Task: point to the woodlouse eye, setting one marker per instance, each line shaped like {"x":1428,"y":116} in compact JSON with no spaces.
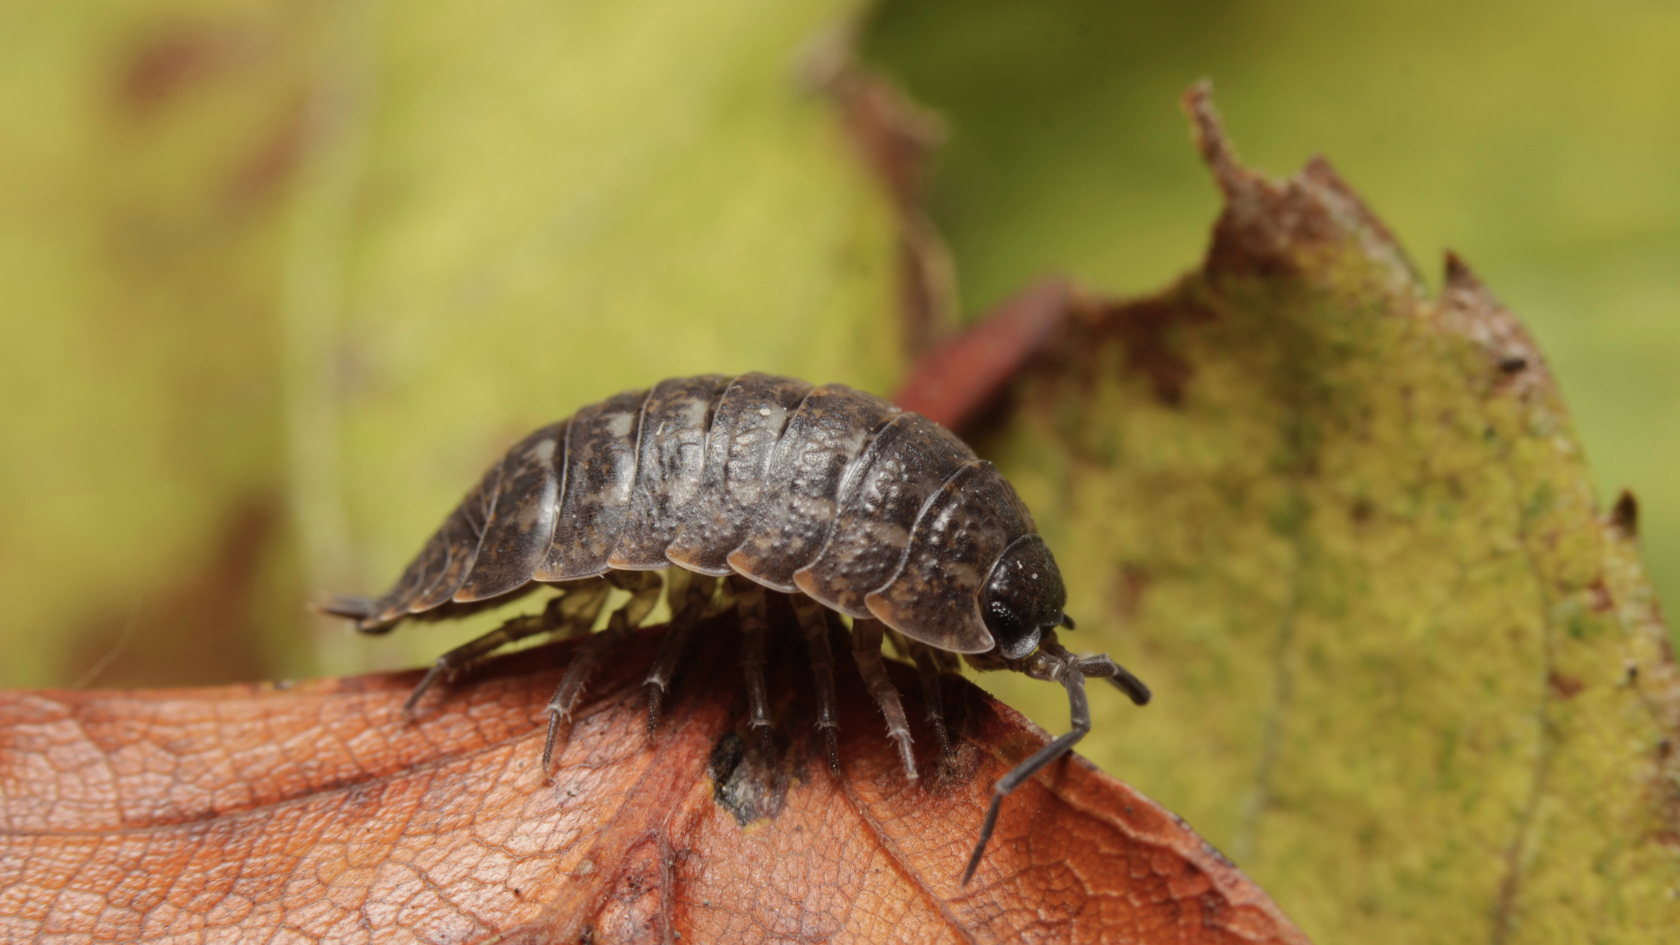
{"x":1023,"y":597}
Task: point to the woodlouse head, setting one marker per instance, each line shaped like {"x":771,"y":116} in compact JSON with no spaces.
{"x":1023,"y":597}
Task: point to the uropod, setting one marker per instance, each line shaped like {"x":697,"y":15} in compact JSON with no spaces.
{"x":827,"y":494}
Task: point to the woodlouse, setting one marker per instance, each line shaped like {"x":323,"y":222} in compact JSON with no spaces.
{"x":827,"y":494}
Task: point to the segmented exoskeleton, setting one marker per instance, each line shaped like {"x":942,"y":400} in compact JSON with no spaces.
{"x":826,"y":493}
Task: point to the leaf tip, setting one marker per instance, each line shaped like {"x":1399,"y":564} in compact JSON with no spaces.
{"x":1209,"y":132}
{"x":1624,"y":515}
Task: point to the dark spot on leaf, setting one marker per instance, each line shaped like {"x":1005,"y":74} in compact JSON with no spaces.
{"x":272,"y":161}
{"x":171,"y":61}
{"x":743,"y":785}
{"x":726,"y":757}
{"x":1624,"y":515}
{"x":1564,"y":687}
{"x":1512,"y":363}
{"x":1148,"y":329}
{"x":956,"y":767}
{"x":1130,"y":583}
{"x":1362,"y":510}
{"x":1602,"y":602}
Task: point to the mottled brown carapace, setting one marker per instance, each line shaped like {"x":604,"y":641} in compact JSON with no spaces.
{"x":827,"y":494}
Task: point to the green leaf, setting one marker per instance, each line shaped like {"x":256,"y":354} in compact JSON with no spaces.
{"x":1408,"y":675}
{"x":281,"y":281}
{"x":527,"y":210}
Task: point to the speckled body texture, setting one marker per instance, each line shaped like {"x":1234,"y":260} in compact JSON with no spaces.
{"x":871,"y":510}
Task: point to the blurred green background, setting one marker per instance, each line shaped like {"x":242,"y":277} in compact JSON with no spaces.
{"x":279,"y":279}
{"x":1540,"y":140}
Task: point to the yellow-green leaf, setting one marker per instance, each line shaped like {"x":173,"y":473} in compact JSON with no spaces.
{"x":1408,"y":675}
{"x":280,"y":281}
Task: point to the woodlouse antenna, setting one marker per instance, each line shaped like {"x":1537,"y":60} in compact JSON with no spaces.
{"x":348,"y":607}
{"x":463,"y":657}
{"x":1054,"y":663}
{"x":1133,"y":687}
{"x":1068,"y":673}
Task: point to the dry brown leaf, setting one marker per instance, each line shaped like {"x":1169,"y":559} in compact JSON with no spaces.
{"x":317,"y":813}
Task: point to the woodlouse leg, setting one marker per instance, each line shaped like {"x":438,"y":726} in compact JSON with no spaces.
{"x":814,"y":622}
{"x":644,"y":587}
{"x":749,"y":602}
{"x":583,"y":663}
{"x":580,"y":607}
{"x":1064,"y":669}
{"x":900,"y":643}
{"x":866,"y":649}
{"x":451,"y":663}
{"x":696,"y":593}
{"x":948,"y":661}
{"x":582,"y":599}
{"x":932,"y":665}
{"x":933,"y":680}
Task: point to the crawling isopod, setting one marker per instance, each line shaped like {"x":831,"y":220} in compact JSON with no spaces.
{"x":827,"y":494}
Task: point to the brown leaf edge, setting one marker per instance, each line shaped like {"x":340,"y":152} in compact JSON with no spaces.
{"x":316,"y":812}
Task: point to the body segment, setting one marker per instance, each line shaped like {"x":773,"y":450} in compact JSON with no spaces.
{"x":595,"y":502}
{"x":879,"y":505}
{"x":819,"y":446}
{"x":670,"y":460}
{"x":825,"y":490}
{"x":747,"y":423}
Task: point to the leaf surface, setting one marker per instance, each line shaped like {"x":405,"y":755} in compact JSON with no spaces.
{"x":1409,"y":674}
{"x":317,"y":813}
